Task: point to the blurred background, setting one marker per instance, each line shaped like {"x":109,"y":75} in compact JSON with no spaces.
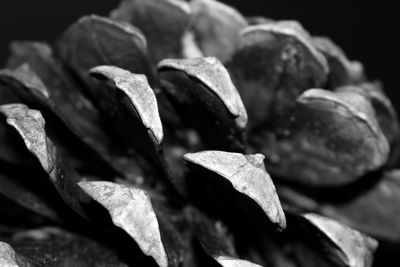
{"x":364,"y":29}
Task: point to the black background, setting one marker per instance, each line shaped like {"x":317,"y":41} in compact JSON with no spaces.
{"x":366,"y":31}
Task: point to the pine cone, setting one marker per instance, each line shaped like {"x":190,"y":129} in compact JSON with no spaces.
{"x":144,"y":139}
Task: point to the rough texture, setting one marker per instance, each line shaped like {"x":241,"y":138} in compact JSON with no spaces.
{"x":141,"y":134}
{"x":247,"y":175}
{"x":7,"y":256}
{"x":212,"y":73}
{"x":136,"y":88}
{"x":131,"y":210}
{"x":355,"y":249}
{"x":30,"y":125}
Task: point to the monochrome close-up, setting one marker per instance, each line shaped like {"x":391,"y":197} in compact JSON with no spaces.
{"x":178,"y":133}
